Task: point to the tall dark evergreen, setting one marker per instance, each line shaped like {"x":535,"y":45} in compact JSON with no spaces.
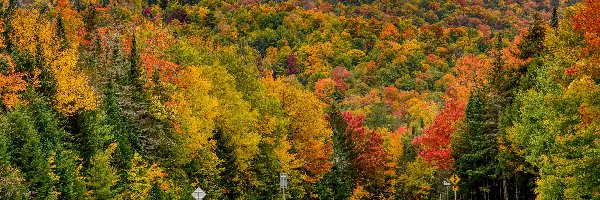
{"x":121,"y":129}
{"x":7,"y":15}
{"x":498,"y":62}
{"x":61,"y":33}
{"x":225,"y":152}
{"x":475,"y":149}
{"x":554,"y":19}
{"x":135,"y":74}
{"x":18,"y":126}
{"x":532,"y":43}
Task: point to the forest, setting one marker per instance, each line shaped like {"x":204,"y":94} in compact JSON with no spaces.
{"x":353,"y":99}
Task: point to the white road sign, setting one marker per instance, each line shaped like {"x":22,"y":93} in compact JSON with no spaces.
{"x":198,"y":194}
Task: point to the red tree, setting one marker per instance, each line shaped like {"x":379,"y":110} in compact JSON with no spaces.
{"x":435,"y":142}
{"x":588,"y":20}
{"x":368,"y":146}
{"x":472,"y":72}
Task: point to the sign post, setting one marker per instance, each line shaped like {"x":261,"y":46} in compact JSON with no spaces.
{"x":447,"y":184}
{"x":454,"y":179}
{"x":198,"y":194}
{"x":283,"y":183}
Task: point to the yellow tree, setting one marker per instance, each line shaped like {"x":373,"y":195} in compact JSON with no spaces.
{"x":141,"y":178}
{"x":235,"y":131}
{"x":309,"y":130}
{"x":394,"y":149}
{"x":73,"y":92}
{"x":235,"y":116}
{"x":72,"y":21}
{"x":195,"y":110}
{"x":23,"y":33}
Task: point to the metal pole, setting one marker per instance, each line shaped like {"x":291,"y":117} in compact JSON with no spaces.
{"x":283,"y":193}
{"x":454,"y":195}
{"x":447,"y":192}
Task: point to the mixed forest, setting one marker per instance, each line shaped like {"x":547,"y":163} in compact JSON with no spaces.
{"x":353,"y":99}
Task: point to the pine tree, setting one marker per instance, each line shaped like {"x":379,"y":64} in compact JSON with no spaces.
{"x":476,"y":149}
{"x":12,"y":182}
{"x":225,"y":152}
{"x":90,"y":20}
{"x":135,"y":74}
{"x":61,"y":34}
{"x":554,"y":20}
{"x":340,"y":178}
{"x":533,"y":41}
{"x":122,"y":132}
{"x":70,"y":184}
{"x":498,"y":62}
{"x":7,"y":18}
{"x":95,"y":133}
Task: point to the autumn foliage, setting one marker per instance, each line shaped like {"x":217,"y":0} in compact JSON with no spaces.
{"x":383,"y":99}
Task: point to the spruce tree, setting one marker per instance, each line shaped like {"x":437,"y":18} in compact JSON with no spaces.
{"x":61,"y":34}
{"x":7,"y":18}
{"x":135,"y":74}
{"x":554,"y":20}
{"x":533,"y":41}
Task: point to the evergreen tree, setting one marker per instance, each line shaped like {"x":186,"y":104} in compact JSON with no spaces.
{"x":475,"y":149}
{"x":533,"y":41}
{"x":7,"y":15}
{"x":90,"y":21}
{"x":94,"y":133}
{"x":61,"y":34}
{"x":163,"y":4}
{"x":12,"y":182}
{"x":225,"y":152}
{"x":554,"y":19}
{"x":135,"y":74}
{"x":124,"y":152}
{"x":70,"y":184}
{"x":26,"y":151}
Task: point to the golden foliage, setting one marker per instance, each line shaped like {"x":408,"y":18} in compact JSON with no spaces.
{"x":24,"y":30}
{"x":196,"y":110}
{"x":141,"y":177}
{"x":359,"y":193}
{"x":73,"y":92}
{"x":310,"y":131}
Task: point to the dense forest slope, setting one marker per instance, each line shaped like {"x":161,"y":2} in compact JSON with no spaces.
{"x":357,"y":99}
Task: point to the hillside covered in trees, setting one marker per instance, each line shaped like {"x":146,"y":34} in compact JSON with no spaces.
{"x":353,"y":99}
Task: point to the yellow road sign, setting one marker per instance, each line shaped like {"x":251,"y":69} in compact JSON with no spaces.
{"x":455,"y":188}
{"x":454,"y":179}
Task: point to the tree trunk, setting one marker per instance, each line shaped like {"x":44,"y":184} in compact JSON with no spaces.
{"x":505,"y":188}
{"x":516,"y":188}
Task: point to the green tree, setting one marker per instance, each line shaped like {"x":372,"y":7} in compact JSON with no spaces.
{"x":101,"y":175}
{"x":475,"y":149}
{"x":26,"y":151}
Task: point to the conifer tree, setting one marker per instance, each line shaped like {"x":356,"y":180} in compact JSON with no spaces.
{"x":554,"y":19}
{"x":135,"y":74}
{"x":61,"y":34}
{"x":533,"y":41}
{"x":7,"y":15}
